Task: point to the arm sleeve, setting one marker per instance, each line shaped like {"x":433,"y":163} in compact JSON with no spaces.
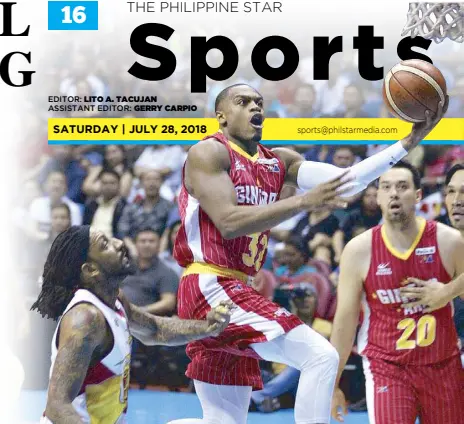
{"x":311,"y":174}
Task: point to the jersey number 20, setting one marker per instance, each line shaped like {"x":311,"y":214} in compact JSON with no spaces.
{"x":426,"y":331}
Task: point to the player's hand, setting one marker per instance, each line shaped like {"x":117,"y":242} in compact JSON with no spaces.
{"x":218,"y":318}
{"x":327,"y":195}
{"x":432,"y":295}
{"x":421,"y":130}
{"x":339,"y":408}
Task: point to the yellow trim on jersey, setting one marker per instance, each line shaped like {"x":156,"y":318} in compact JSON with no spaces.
{"x":242,"y":152}
{"x":103,"y":401}
{"x":404,"y":255}
{"x":203,"y":268}
{"x":323,"y":327}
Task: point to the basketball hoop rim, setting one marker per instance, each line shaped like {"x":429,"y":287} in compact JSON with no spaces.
{"x":435,"y":21}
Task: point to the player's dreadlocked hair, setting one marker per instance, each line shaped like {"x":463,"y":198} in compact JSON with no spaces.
{"x":61,"y":276}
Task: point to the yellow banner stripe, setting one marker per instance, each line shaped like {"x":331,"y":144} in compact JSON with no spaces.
{"x":280,"y":129}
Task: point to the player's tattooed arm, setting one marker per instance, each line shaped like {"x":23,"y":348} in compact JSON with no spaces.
{"x":174,"y":331}
{"x":82,"y":331}
{"x":153,"y":330}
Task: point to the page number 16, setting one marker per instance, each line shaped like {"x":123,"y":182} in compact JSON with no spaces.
{"x":78,"y":15}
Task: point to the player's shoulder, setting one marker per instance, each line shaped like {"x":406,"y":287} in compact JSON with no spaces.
{"x":286,"y":155}
{"x":86,"y":319}
{"x":208,"y":150}
{"x":450,"y":244}
{"x":359,"y":246}
{"x":356,"y":257}
{"x":448,"y":236}
{"x":446,"y":229}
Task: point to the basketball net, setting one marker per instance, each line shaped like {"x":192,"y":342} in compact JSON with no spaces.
{"x":436,"y":21}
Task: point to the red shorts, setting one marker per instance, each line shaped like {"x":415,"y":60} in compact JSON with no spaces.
{"x":400,"y":393}
{"x":228,"y":359}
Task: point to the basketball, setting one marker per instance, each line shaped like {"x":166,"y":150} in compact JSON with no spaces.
{"x":411,"y":88}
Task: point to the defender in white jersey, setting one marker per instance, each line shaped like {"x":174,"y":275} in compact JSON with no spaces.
{"x":103,"y":394}
{"x":89,"y":376}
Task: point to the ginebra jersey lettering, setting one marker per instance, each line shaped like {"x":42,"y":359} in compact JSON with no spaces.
{"x":393,"y":297}
{"x":252,"y":195}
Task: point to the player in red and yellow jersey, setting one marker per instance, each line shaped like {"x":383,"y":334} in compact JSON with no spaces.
{"x":228,"y":203}
{"x":410,"y":354}
{"x":436,"y":294}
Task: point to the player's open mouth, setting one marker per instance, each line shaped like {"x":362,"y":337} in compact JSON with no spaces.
{"x":395,"y":206}
{"x":257,"y":120}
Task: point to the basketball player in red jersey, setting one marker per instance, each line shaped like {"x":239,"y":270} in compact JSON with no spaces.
{"x":411,"y":356}
{"x":435,"y":294}
{"x":228,"y":203}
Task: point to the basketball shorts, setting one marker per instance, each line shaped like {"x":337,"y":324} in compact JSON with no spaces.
{"x":228,"y":358}
{"x":400,"y":393}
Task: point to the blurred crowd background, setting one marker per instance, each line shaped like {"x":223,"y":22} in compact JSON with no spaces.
{"x":130,"y":192}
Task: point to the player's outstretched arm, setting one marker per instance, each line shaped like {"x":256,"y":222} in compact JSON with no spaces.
{"x":346,"y":319}
{"x":307,"y":174}
{"x":153,"y":330}
{"x":208,"y":181}
{"x":82,"y":331}
{"x":434,"y":295}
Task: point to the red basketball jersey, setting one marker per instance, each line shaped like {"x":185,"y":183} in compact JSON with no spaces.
{"x":258,"y":180}
{"x":405,"y":336}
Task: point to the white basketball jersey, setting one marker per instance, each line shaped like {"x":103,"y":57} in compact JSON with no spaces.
{"x":103,"y":395}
